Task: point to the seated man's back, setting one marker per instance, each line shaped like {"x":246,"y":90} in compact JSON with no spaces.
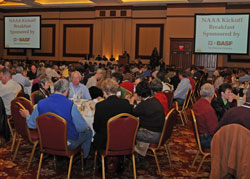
{"x":206,"y":117}
{"x":78,"y":132}
{"x":8,"y":89}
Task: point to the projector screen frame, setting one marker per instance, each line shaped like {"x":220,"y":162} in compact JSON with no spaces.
{"x":40,"y":37}
{"x":221,"y":53}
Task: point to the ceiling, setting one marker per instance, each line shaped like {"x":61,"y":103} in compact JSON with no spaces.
{"x":12,"y":4}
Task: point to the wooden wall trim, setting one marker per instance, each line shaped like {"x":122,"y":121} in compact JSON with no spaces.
{"x":142,"y":8}
{"x":129,"y":7}
{"x":124,"y":7}
{"x":112,"y":7}
{"x":53,"y":26}
{"x":47,"y":10}
{"x":238,"y":6}
{"x":195,"y":5}
{"x":65,"y":26}
{"x":10,"y":53}
{"x":181,"y":16}
{"x":138,"y":26}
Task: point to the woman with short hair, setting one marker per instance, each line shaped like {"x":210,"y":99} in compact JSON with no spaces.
{"x":109,"y":107}
{"x":43,"y":88}
{"x":156,"y":87}
{"x":106,"y":109}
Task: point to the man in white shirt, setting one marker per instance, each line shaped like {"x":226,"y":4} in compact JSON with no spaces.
{"x":52,"y":73}
{"x":181,"y":90}
{"x":18,"y":77}
{"x":8,"y":89}
{"x":93,"y":80}
{"x":76,"y":89}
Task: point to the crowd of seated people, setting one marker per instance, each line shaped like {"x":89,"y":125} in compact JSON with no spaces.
{"x":136,"y":89}
{"x":218,"y":102}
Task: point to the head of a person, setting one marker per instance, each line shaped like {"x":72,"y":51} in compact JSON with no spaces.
{"x":207,"y":91}
{"x":7,"y":64}
{"x":156,"y":85}
{"x":12,"y":69}
{"x":6,"y":75}
{"x":99,"y":74}
{"x":225,"y":90}
{"x":128,"y":77}
{"x":139,"y":79}
{"x":223,"y":74}
{"x":182,"y":75}
{"x":62,"y":87}
{"x":33,"y":68}
{"x":109,"y":87}
{"x":117,"y":77}
{"x":19,"y":69}
{"x":76,"y":77}
{"x":161,"y":76}
{"x":143,"y":90}
{"x":44,"y":81}
{"x":55,"y":67}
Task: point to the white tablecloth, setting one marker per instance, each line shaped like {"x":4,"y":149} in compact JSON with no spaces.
{"x":89,"y":120}
{"x":87,"y":107}
{"x":240,"y":101}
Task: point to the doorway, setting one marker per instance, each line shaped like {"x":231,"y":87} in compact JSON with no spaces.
{"x":181,"y":50}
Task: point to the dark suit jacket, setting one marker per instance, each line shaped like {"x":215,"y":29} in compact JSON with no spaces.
{"x":104,"y":111}
{"x":219,"y":106}
{"x":175,"y":81}
{"x":151,"y":114}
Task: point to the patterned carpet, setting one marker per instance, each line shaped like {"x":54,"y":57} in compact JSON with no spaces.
{"x":182,"y":145}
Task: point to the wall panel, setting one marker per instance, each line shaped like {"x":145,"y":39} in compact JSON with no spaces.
{"x":149,"y":36}
{"x":118,"y":37}
{"x":77,"y":40}
{"x":48,"y":41}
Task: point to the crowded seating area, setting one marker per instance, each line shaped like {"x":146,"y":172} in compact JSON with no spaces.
{"x":96,"y":119}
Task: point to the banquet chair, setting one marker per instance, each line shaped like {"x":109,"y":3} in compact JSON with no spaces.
{"x":182,"y":109}
{"x":198,"y":87}
{"x":27,"y":105}
{"x":167,"y":129}
{"x":32,"y":96}
{"x":170,"y":97}
{"x":193,"y":99}
{"x":20,"y":93}
{"x":204,"y":152}
{"x":217,"y":93}
{"x":121,"y":134}
{"x":21,"y":129}
{"x":52,"y":130}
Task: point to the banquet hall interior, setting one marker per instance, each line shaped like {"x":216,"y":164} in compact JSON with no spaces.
{"x":123,"y":36}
